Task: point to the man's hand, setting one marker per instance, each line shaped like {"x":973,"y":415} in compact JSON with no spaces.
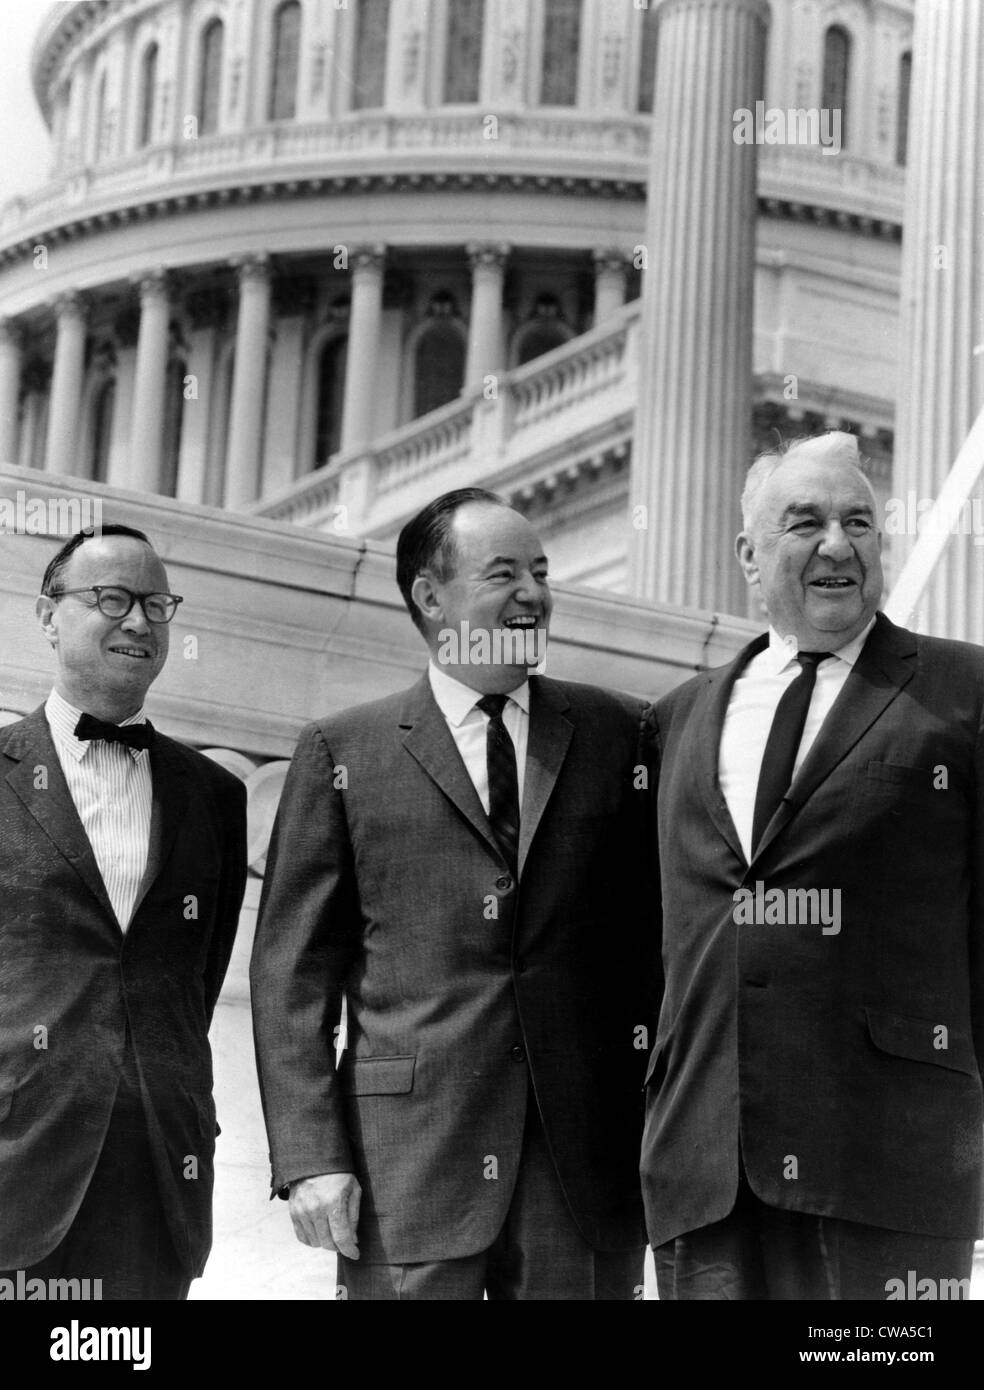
{"x":325,"y":1212}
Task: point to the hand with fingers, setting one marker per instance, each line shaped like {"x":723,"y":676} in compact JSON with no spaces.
{"x":325,"y":1212}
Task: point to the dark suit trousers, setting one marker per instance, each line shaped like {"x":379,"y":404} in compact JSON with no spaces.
{"x":120,"y":1234}
{"x":763,"y":1252}
{"x":539,"y":1254}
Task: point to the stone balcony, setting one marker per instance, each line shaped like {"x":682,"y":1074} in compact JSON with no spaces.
{"x":568,"y":410}
{"x":561,"y":418}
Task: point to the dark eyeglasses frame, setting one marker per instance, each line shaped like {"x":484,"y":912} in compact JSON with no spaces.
{"x":100,"y":589}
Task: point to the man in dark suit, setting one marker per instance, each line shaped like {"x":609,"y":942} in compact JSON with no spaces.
{"x":123,"y":868}
{"x":464,"y":863}
{"x":814,"y":1094}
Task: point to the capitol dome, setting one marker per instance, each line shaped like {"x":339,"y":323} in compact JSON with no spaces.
{"x":322,"y":260}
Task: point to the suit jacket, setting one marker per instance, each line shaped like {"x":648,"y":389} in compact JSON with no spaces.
{"x":849,"y":1063}
{"x":66,"y":966}
{"x":384,"y":883}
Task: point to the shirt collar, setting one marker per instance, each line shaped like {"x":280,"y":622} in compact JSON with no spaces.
{"x":62,"y":719}
{"x":782,"y":650}
{"x":456,"y":700}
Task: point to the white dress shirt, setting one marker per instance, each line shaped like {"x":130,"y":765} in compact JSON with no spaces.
{"x":751,"y":709}
{"x":468,"y":726}
{"x":111,"y":787}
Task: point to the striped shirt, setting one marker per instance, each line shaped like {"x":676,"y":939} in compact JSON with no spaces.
{"x":110,"y":785}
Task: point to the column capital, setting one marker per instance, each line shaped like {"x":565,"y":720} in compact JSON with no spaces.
{"x":490,"y":255}
{"x":153,"y":284}
{"x":367,"y":257}
{"x":71,"y":304}
{"x":253,"y":269}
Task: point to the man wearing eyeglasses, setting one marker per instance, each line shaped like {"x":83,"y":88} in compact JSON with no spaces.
{"x":123,"y":863}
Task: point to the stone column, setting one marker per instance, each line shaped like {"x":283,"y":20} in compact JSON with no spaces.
{"x":11,"y":350}
{"x":611,"y":268}
{"x":243,"y":455}
{"x":150,"y":384}
{"x":485,"y":345}
{"x":693,"y":418}
{"x":941,"y":380}
{"x":126,"y":330}
{"x":66,"y":385}
{"x":366,"y":263}
{"x":293,"y":300}
{"x":206,"y":310}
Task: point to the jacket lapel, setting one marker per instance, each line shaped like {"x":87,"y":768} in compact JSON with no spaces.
{"x":52,"y":807}
{"x":429,"y":740}
{"x":549,"y":738}
{"x":709,"y":725}
{"x":886,"y":664}
{"x":170,"y":803}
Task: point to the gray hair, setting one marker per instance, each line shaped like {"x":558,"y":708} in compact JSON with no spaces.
{"x":833,"y":447}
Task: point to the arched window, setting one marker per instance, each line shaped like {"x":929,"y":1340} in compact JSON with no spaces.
{"x":210,"y":77}
{"x":286,"y":54}
{"x":438,"y":360}
{"x":372,"y":31}
{"x":173,"y":415}
{"x":463,"y":56}
{"x":148,"y":95}
{"x":836,"y":74}
{"x":545,"y":330}
{"x":102,"y":430}
{"x":902,"y":126}
{"x":561,"y":52}
{"x":647,"y":59}
{"x":331,"y":392}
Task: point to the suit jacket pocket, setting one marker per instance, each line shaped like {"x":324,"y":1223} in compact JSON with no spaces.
{"x":377,"y":1076}
{"x":913,"y":779}
{"x":920,"y":1039}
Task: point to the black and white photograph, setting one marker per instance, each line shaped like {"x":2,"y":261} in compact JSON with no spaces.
{"x":492,"y":660}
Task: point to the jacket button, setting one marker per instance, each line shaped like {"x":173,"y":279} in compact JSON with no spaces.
{"x":504,"y":883}
{"x":517,"y":1053}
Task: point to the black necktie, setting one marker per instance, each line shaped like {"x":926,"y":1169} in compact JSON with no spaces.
{"x":503,"y":781}
{"x":133,"y":735}
{"x":779,"y":757}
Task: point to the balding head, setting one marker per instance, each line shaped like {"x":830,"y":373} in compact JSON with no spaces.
{"x":836,"y":449}
{"x":811,"y":542}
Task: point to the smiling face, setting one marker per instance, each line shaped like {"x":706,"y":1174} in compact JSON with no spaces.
{"x":499,"y":580}
{"x":812,"y":546}
{"x":106,"y":665}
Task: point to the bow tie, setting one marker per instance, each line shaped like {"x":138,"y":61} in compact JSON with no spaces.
{"x":133,"y":735}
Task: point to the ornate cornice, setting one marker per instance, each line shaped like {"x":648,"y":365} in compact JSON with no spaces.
{"x":795,"y":210}
{"x":621,"y":189}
